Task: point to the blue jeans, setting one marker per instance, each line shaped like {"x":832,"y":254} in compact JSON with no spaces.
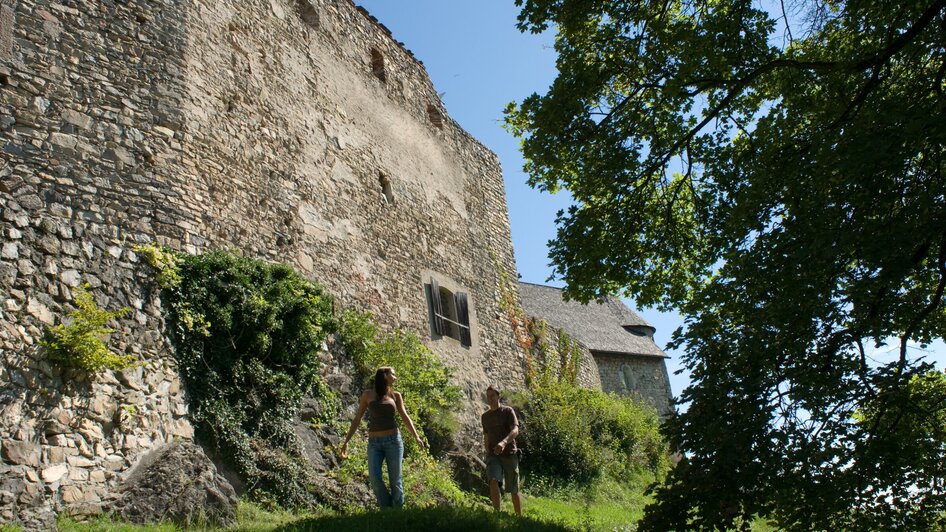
{"x":391,"y":450}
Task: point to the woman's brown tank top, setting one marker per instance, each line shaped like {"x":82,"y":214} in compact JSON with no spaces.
{"x":381,"y":416}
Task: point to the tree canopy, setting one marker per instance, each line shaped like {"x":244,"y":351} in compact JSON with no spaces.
{"x":775,"y":171}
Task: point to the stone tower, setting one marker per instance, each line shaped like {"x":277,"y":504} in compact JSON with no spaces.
{"x":296,"y":131}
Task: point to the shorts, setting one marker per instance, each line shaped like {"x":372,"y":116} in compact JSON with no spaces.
{"x":504,"y":467}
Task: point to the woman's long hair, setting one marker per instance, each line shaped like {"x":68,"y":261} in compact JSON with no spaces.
{"x":381,"y":386}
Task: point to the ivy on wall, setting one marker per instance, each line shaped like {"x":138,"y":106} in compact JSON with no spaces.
{"x":246,"y":337}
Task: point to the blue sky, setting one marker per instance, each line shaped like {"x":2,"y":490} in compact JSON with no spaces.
{"x":479,"y":62}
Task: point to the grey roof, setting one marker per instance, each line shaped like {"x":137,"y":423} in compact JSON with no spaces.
{"x":599,"y":325}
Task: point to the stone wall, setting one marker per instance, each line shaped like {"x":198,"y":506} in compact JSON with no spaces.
{"x":545,"y":350}
{"x":638,"y":376}
{"x":291,"y":130}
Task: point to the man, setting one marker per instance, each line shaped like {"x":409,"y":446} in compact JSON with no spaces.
{"x":500,"y":428}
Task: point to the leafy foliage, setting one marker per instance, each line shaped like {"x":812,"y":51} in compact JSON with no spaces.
{"x":165,"y":262}
{"x":548,"y":362}
{"x":246,"y":336}
{"x":778,"y":177}
{"x":423,"y":379}
{"x":81,"y":343}
{"x":577,"y":435}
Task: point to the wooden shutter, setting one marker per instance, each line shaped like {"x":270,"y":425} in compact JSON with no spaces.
{"x":437,"y":306}
{"x":463,"y":316}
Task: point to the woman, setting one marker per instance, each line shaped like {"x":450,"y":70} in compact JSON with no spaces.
{"x":384,"y":440}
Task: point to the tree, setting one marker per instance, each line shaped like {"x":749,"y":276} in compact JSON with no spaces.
{"x":778,"y":176}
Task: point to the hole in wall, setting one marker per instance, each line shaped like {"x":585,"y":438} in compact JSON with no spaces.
{"x":435,"y":116}
{"x":377,"y":65}
{"x":4,"y":80}
{"x":308,"y":13}
{"x":387,"y":191}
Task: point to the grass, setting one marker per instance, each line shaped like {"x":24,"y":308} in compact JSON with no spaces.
{"x":250,"y":518}
{"x":606,"y":505}
{"x":442,"y":518}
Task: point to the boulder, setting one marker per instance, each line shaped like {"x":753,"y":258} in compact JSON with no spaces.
{"x":179,"y":483}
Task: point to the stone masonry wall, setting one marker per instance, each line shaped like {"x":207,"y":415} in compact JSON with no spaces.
{"x":262,"y":126}
{"x":643,"y":377}
{"x":546,"y":340}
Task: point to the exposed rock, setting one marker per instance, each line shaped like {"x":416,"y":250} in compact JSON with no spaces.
{"x":54,"y":473}
{"x":177,"y":482}
{"x":469,"y":471}
{"x":20,"y":452}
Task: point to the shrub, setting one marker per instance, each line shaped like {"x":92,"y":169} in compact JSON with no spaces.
{"x":423,"y":379}
{"x":430,"y":400}
{"x":576,"y":434}
{"x":246,"y":335}
{"x":81,"y":343}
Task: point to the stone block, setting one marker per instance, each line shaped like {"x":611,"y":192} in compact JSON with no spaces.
{"x":55,"y":455}
{"x":54,"y":473}
{"x":71,"y":278}
{"x":79,"y":461}
{"x":71,"y":495}
{"x":7,"y":16}
{"x":77,"y":119}
{"x":10,"y":251}
{"x":20,"y":452}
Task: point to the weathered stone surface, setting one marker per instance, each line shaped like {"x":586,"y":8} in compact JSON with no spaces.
{"x":6,"y":31}
{"x":216,"y":124}
{"x":20,"y":452}
{"x":177,"y":482}
{"x":54,"y":473}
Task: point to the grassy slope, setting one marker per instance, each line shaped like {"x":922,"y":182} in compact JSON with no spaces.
{"x":606,"y":505}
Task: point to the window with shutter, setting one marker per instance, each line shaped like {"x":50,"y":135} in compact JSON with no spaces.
{"x":450,"y":314}
{"x":437,"y":306}
{"x":463,"y":319}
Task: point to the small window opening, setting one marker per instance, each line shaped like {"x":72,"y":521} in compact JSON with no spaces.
{"x":308,"y":13}
{"x":451,"y":314}
{"x":638,"y":331}
{"x":387,"y":192}
{"x":4,"y":80}
{"x":434,"y":115}
{"x":377,"y":65}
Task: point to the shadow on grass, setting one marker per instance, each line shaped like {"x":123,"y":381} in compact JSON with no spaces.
{"x":443,"y":518}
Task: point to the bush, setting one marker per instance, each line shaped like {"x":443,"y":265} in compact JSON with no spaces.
{"x":429,"y":398}
{"x":246,"y":335}
{"x":80,"y":344}
{"x":576,"y":435}
{"x":423,"y":379}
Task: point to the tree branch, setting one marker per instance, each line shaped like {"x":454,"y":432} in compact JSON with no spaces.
{"x":872,"y":61}
{"x":929,"y":309}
